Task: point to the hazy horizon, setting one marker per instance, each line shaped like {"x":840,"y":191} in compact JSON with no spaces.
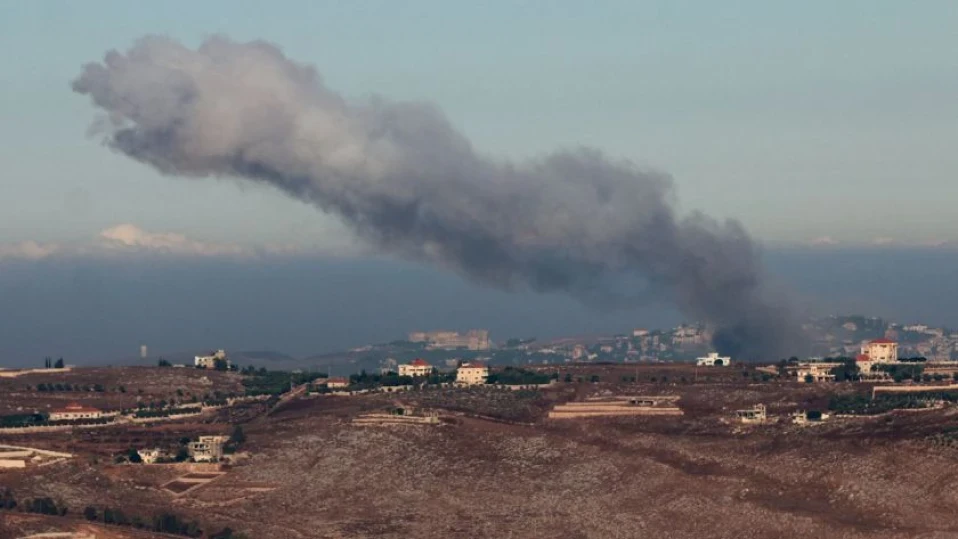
{"x":100,"y":310}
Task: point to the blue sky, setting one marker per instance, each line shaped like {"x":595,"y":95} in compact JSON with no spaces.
{"x":803,"y":120}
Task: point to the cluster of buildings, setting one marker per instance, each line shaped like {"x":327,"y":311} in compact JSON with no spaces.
{"x":203,"y":449}
{"x":680,"y":343}
{"x":872,"y":356}
{"x":473,"y":373}
{"x":474,"y":339}
{"x":841,"y":336}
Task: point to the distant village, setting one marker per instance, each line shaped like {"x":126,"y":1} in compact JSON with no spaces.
{"x":827,"y":337}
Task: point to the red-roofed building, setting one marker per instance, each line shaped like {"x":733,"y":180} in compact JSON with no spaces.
{"x":472,"y":373}
{"x":418,"y":367}
{"x":75,"y":411}
{"x":862,"y":358}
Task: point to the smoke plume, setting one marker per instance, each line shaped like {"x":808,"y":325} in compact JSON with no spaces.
{"x":576,"y":221}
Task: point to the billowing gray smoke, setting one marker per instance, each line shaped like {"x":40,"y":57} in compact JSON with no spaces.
{"x":576,"y":221}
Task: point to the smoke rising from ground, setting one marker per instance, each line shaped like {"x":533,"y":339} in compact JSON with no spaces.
{"x":405,"y":180}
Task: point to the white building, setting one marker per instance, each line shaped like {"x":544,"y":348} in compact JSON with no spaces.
{"x":881,"y":351}
{"x":150,"y":456}
{"x":333,"y":383}
{"x":472,"y":374}
{"x":209,"y":362}
{"x":74,"y":411}
{"x":418,"y":367}
{"x":714,"y":360}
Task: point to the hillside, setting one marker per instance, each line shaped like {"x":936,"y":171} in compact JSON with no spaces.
{"x":494,"y":466}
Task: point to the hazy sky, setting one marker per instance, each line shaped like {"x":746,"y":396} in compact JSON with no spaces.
{"x":802,"y":119}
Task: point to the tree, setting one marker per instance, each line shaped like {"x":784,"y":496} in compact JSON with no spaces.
{"x":47,"y":362}
{"x":7,"y":501}
{"x":90,"y":513}
{"x":163,"y":363}
{"x":58,"y":364}
{"x":568,"y":378}
{"x":238,"y":437}
{"x":809,"y":378}
{"x":133,"y":456}
{"x":848,"y":370}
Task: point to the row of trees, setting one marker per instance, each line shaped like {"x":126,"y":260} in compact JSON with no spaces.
{"x":264,"y":382}
{"x":162,"y":523}
{"x":860,"y":404}
{"x":43,"y":506}
{"x":48,"y":363}
{"x":514,"y":376}
{"x":75,"y":387}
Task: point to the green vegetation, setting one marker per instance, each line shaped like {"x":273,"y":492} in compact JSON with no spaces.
{"x":48,"y":363}
{"x":45,"y":506}
{"x":860,"y":404}
{"x":7,"y":501}
{"x":263,"y":382}
{"x":163,"y":363}
{"x":900,"y":373}
{"x":364,"y":380}
{"x":165,"y":412}
{"x":23,"y":420}
{"x":847,"y":371}
{"x":514,"y":376}
{"x":161,"y":523}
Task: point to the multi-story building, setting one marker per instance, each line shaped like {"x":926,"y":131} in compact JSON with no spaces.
{"x":474,"y":339}
{"x":881,"y":350}
{"x":878,"y":351}
{"x":75,"y":411}
{"x":207,"y":448}
{"x":472,"y":374}
{"x":418,"y":367}
{"x":209,"y":362}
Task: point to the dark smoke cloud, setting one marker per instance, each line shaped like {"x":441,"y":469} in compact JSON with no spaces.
{"x":403,"y":178}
